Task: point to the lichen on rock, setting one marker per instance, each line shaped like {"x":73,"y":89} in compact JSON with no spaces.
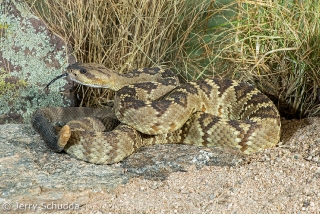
{"x":30,"y":57}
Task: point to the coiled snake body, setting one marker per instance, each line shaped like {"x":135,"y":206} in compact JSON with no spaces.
{"x":154,"y":109}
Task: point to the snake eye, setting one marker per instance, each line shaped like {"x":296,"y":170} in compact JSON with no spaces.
{"x":83,"y":71}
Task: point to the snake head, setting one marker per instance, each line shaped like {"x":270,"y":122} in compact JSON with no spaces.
{"x":92,"y":74}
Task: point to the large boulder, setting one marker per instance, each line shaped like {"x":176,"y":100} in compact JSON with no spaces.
{"x":30,"y":57}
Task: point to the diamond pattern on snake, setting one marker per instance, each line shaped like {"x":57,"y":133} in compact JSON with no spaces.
{"x":152,"y":107}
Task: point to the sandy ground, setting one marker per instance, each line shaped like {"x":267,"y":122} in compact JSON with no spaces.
{"x":281,"y":185}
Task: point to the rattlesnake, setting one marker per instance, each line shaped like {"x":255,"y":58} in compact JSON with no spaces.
{"x":153,"y":108}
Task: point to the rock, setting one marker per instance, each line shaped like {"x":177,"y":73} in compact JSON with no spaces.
{"x":30,"y":57}
{"x":31,"y":173}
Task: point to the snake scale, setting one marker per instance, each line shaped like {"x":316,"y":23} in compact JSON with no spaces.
{"x":151,"y":107}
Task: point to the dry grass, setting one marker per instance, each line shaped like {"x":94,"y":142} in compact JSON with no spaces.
{"x":275,"y":44}
{"x":122,"y":35}
{"x":271,"y":43}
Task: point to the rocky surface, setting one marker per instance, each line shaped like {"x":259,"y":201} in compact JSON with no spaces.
{"x":29,"y":171}
{"x":30,"y":57}
{"x":163,"y":178}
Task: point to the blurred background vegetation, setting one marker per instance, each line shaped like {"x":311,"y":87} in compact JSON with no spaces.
{"x":273,"y":44}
